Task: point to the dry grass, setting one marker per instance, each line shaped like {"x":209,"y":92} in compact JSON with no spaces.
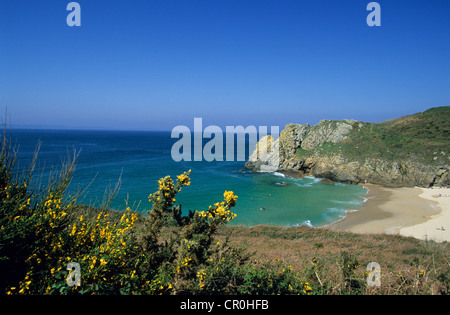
{"x":408,"y":266}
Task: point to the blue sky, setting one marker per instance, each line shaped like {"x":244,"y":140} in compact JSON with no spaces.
{"x":152,"y":65}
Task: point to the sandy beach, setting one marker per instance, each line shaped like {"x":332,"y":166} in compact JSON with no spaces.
{"x":418,"y":212}
{"x":437,"y":227}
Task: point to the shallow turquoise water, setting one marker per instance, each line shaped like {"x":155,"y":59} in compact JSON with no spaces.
{"x":144,"y":157}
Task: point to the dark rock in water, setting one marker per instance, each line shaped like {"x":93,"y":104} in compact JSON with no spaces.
{"x":327,"y":181}
{"x":281,"y":184}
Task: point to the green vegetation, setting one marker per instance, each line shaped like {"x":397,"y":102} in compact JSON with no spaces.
{"x":166,"y":251}
{"x":432,"y":124}
{"x":421,"y":136}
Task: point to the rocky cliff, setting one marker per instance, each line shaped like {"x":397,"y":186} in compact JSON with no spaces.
{"x":408,"y":151}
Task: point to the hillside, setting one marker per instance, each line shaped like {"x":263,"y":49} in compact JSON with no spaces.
{"x":407,"y":151}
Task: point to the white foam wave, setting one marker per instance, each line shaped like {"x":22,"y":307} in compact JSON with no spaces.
{"x":349,"y":202}
{"x":315,"y":179}
{"x":306,"y":222}
{"x":303,"y":184}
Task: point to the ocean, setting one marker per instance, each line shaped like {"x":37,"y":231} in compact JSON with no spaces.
{"x":140,"y":158}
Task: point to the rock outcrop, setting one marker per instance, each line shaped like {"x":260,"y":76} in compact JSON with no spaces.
{"x":352,"y":152}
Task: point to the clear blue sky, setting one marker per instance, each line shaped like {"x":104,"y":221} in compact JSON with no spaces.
{"x":155,"y":64}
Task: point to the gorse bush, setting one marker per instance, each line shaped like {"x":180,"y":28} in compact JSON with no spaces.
{"x":188,"y":247}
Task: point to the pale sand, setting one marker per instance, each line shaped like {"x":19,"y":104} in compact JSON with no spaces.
{"x":436,"y":228}
{"x":406,"y":211}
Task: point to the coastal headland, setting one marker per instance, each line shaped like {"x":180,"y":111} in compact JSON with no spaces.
{"x":404,"y":162}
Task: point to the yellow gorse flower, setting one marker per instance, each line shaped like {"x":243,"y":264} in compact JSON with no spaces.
{"x":184,"y":179}
{"x":221,"y":210}
{"x":230,"y":198}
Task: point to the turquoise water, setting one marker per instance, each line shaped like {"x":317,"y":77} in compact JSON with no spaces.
{"x":144,"y":157}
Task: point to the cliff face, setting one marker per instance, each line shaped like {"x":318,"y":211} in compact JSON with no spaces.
{"x":408,"y":151}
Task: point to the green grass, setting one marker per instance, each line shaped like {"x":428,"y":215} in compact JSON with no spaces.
{"x":420,"y":137}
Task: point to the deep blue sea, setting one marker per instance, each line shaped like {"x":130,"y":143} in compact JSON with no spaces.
{"x":142,"y":157}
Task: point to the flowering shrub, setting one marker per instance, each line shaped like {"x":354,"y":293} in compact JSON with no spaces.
{"x":189,"y":247}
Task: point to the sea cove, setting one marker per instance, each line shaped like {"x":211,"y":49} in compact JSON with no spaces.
{"x":141,"y":158}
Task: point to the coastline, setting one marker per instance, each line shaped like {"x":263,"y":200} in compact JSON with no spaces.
{"x":416,"y":212}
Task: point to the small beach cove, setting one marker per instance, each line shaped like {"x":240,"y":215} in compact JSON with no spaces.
{"x":422,"y":213}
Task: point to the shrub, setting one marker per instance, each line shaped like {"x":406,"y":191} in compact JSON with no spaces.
{"x":189,"y":246}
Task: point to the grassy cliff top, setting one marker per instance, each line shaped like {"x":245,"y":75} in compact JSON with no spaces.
{"x":432,"y":125}
{"x":422,"y":137}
